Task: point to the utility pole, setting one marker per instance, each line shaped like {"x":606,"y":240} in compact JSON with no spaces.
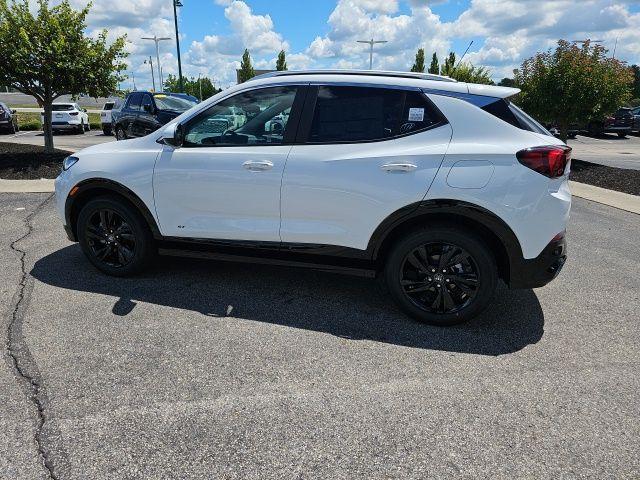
{"x":157,"y":40}
{"x":200,"y":85}
{"x":371,"y":43}
{"x":153,"y":78}
{"x":176,"y":4}
{"x":133,"y":77}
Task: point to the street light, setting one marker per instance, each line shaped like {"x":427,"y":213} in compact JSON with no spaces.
{"x":153,"y":78}
{"x":157,"y":40}
{"x":371,"y":43}
{"x":176,"y":4}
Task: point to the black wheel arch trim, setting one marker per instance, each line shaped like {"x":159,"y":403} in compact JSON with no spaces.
{"x":451,"y":211}
{"x":104,"y":184}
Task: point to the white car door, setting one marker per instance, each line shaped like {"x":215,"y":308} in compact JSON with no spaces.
{"x":368,"y":152}
{"x":224,"y":182}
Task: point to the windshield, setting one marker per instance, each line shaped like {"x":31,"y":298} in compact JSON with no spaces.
{"x":177,"y":104}
{"x":62,"y":107}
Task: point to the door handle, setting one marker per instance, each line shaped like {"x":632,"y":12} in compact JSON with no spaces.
{"x":398,"y":167}
{"x":258,"y":165}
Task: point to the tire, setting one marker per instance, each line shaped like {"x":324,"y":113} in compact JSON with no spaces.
{"x":441,"y":298}
{"x":111,"y":253}
{"x":571,"y":136}
{"x":87,"y":127}
{"x":623,"y":134}
{"x":106,"y":130}
{"x":12,"y":129}
{"x":120,"y":134}
{"x":81,"y":129}
{"x":16,"y":128}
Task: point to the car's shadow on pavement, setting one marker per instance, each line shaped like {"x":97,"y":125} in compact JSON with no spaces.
{"x":344,"y":306}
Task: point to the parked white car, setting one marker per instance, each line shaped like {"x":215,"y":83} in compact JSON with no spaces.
{"x":106,"y":120}
{"x":437,"y":187}
{"x":68,"y":116}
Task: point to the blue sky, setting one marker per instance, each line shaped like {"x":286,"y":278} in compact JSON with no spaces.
{"x":323,"y":33}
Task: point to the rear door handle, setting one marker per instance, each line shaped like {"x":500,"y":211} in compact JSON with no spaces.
{"x":399,"y":167}
{"x":258,"y":165}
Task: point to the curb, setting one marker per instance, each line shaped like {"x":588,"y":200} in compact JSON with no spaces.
{"x":622,"y":201}
{"x":44,"y":185}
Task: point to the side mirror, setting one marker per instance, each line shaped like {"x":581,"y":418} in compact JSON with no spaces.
{"x":14,"y":111}
{"x":84,"y":110}
{"x":172,"y":135}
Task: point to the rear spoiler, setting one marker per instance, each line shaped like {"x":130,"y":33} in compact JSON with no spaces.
{"x":491,"y":90}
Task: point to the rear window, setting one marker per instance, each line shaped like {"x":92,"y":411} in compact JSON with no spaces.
{"x":62,"y":107}
{"x":108,"y":106}
{"x":357,"y":114}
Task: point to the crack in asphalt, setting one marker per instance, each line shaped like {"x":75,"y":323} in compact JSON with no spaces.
{"x":20,"y":356}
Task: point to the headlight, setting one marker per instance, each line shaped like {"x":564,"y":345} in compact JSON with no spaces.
{"x":68,"y":162}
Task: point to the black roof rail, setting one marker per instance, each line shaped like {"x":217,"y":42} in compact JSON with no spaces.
{"x":370,"y":73}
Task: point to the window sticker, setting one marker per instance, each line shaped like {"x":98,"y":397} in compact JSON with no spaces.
{"x":416,"y":114}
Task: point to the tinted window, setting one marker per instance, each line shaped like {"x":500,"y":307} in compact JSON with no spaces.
{"x":62,"y":107}
{"x":108,"y":106}
{"x":357,"y":114}
{"x":527,"y":122}
{"x":258,"y":117}
{"x":134,"y":101}
{"x":146,"y":100}
{"x":351,"y":114}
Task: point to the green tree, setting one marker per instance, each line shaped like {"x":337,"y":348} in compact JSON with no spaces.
{"x":46,"y":54}
{"x":635,"y":93}
{"x":201,"y":87}
{"x":434,"y":67}
{"x":573,"y":83}
{"x":246,"y":69}
{"x":281,"y":63}
{"x":468,"y":73}
{"x":418,"y":65}
{"x":507,"y":82}
{"x":449,"y":65}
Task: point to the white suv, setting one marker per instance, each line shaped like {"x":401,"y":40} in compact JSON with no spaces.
{"x":438,"y":187}
{"x":68,"y":116}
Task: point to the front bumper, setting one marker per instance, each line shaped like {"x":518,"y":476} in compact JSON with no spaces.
{"x":537,"y":272}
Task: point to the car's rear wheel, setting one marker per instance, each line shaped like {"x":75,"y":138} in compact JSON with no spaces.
{"x":106,"y":130}
{"x":623,"y":134}
{"x":441,"y":275}
{"x":120,"y":135}
{"x":114,"y":236}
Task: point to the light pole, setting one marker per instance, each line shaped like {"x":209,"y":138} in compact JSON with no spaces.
{"x":157,"y":40}
{"x":371,"y":43}
{"x":200,"y":85}
{"x":176,"y":4}
{"x":153,"y":78}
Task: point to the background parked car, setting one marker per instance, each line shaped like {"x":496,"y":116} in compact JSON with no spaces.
{"x":636,"y":119}
{"x":621,"y":122}
{"x":105,"y":117}
{"x":145,"y":112}
{"x":8,"y":119}
{"x":68,"y":116}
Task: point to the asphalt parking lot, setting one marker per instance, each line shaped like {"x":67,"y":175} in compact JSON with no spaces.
{"x":211,"y":370}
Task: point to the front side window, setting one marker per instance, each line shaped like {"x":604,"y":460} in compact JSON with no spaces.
{"x":356,"y":114}
{"x":134,"y":102}
{"x":258,"y":117}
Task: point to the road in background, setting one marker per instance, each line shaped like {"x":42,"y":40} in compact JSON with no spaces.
{"x":201,"y":369}
{"x":64,"y":141}
{"x":22,"y":99}
{"x":609,"y":150}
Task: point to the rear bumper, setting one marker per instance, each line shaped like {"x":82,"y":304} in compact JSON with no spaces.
{"x":537,"y":272}
{"x":617,"y":128}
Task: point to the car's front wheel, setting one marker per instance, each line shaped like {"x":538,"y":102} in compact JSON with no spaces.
{"x":120,"y":135}
{"x":623,"y":134}
{"x":114,"y":236}
{"x":441,"y":275}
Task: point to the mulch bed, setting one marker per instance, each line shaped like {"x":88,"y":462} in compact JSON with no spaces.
{"x":620,"y":179}
{"x":29,"y":162}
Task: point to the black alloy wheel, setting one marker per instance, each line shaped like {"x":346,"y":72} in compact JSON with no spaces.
{"x":110,"y":238}
{"x":440,"y":278}
{"x":441,"y":275}
{"x":114,"y":236}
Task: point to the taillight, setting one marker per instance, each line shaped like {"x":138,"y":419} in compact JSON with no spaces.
{"x":73,"y":113}
{"x":550,"y":161}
